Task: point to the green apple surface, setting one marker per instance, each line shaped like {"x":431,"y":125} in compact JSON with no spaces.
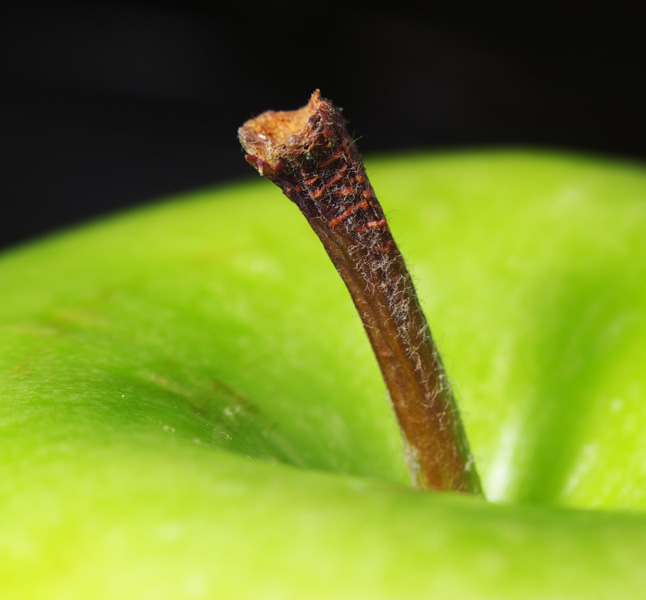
{"x":190,"y":407}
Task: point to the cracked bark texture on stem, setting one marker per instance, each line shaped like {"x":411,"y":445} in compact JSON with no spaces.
{"x":309,"y":154}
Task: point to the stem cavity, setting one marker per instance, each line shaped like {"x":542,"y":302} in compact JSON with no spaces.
{"x":309,"y":154}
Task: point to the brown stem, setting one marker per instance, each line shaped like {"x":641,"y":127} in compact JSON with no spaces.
{"x":309,"y":154}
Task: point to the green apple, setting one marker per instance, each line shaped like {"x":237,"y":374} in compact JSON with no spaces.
{"x":190,"y":407}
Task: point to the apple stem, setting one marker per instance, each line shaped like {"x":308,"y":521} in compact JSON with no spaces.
{"x":309,"y":154}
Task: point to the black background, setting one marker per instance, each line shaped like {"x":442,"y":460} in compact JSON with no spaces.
{"x":108,"y":104}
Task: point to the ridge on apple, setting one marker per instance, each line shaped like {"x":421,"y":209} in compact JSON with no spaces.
{"x":190,"y":408}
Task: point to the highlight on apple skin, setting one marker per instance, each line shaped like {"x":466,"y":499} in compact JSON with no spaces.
{"x":190,"y":408}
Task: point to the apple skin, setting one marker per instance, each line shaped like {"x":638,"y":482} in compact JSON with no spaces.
{"x":190,"y":407}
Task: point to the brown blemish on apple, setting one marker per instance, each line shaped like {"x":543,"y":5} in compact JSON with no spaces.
{"x":238,"y":398}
